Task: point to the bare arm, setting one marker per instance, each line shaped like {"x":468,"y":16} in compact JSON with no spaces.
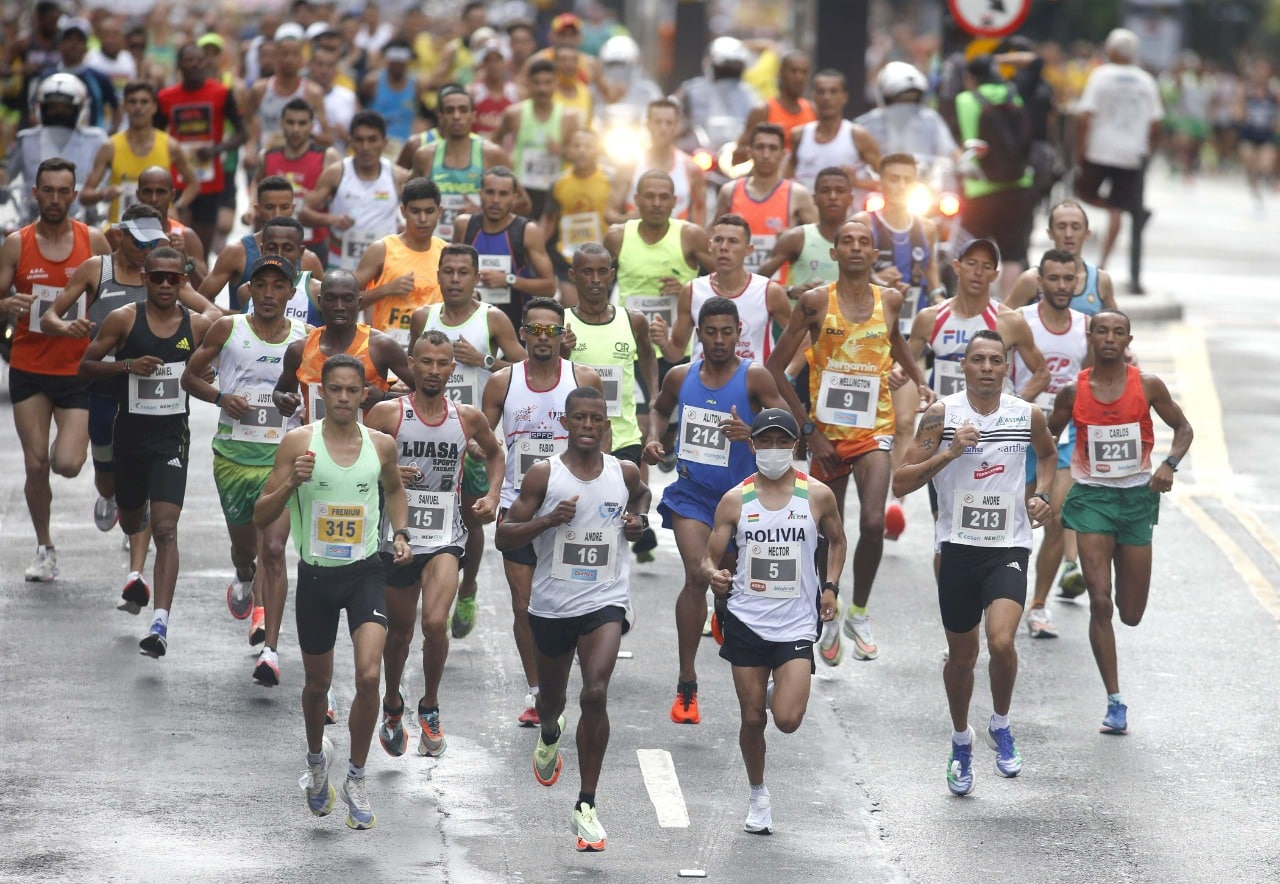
{"x":292,"y":467}
{"x":1017,"y":335}
{"x":697,"y":193}
{"x":646,"y":359}
{"x":495,"y":462}
{"x":1024,"y":290}
{"x":503,"y":338}
{"x":182,"y":163}
{"x":84,"y":279}
{"x":285,"y":395}
{"x":520,"y":526}
{"x":763,"y":389}
{"x":92,"y":191}
{"x":924,"y":459}
{"x":1063,"y":404}
{"x":660,"y":412}
{"x":535,"y":249}
{"x":802,"y":324}
{"x":1171,"y":413}
{"x":723,"y":528}
{"x":785,"y":250}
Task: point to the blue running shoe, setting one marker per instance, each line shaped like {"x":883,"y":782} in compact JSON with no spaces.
{"x":315,"y":781}
{"x":1008,"y":758}
{"x":960,"y":767}
{"x":156,"y":642}
{"x":1116,"y":721}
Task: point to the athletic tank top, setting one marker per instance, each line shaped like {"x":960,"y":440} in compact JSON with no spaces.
{"x":302,"y":172}
{"x":849,"y":366}
{"x":768,"y":218}
{"x":707,"y":459}
{"x":679,"y":172}
{"x":126,"y":166}
{"x":466,"y":384}
{"x":755,"y":340}
{"x":908,"y":250}
{"x":250,"y":367}
{"x":334,"y":517}
{"x":610,"y":348}
{"x":502,"y":251}
{"x":1261,"y":111}
{"x":641,"y":267}
{"x":312,"y":362}
{"x":812,"y":156}
{"x":111,"y":294}
{"x":153,"y":410}
{"x":580,"y":100}
{"x":788,"y":120}
{"x":981,"y":494}
{"x":583,"y":565}
{"x":393,"y":314}
{"x":490,"y":105}
{"x":1064,"y":353}
{"x":531,"y":422}
{"x":38,"y":276}
{"x":375,"y":206}
{"x":582,"y":203}
{"x":271,"y":108}
{"x":775,"y":587}
{"x":397,"y":106}
{"x":196,"y":121}
{"x":1113,"y":439}
{"x":948,"y":339}
{"x":437,"y":450}
{"x":815,"y":263}
{"x":251,"y":255}
{"x":537,"y":167}
{"x":1088,"y":301}
{"x":456,"y":184}
{"x":299,"y":306}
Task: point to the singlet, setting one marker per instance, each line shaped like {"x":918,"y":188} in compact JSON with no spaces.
{"x":397,"y":106}
{"x":312,"y":362}
{"x":849,"y":367}
{"x":679,"y":172}
{"x":466,"y":384}
{"x":948,"y":340}
{"x":1113,"y":439}
{"x":271,"y":108}
{"x":1088,"y":301}
{"x":812,"y":156}
{"x":153,"y":410}
{"x":196,"y":121}
{"x":768,"y":218}
{"x":1261,"y":112}
{"x":334,"y":517}
{"x":582,"y":203}
{"x":641,"y":267}
{"x":299,"y":306}
{"x":583,"y":565}
{"x":490,"y":105}
{"x":755,"y":338}
{"x":707,"y":460}
{"x":111,"y":294}
{"x":909,"y":251}
{"x":981,"y":493}
{"x":531,"y":423}
{"x":250,"y":367}
{"x":1064,"y":353}
{"x":775,"y":586}
{"x":610,"y":348}
{"x":456,"y":184}
{"x":788,"y":120}
{"x":302,"y":172}
{"x":252,"y":253}
{"x":580,"y":101}
{"x":375,"y":206}
{"x":126,"y":166}
{"x":36,"y":275}
{"x":503,"y":251}
{"x":435,"y":513}
{"x":537,"y":167}
{"x":815,"y":263}
{"x":392,"y":314}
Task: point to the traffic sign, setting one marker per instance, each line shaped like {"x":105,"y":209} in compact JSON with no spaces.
{"x":990,"y":18}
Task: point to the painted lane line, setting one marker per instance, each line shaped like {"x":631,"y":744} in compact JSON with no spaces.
{"x":664,"y":788}
{"x":1258,"y":584}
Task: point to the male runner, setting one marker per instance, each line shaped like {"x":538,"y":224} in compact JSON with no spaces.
{"x":577,"y":509}
{"x":830,"y":139}
{"x":689,"y":184}
{"x":282,"y":237}
{"x":574,"y":212}
{"x":151,"y":441}
{"x":806,"y":250}
{"x":335,"y":476}
{"x":432,"y":433}
{"x":1069,"y":230}
{"x":301,"y":162}
{"x":264,"y":105}
{"x":790,"y":109}
{"x":539,"y":128}
{"x":155,"y":189}
{"x":1115,"y":501}
{"x":712,"y":400}
{"x":774,"y":519}
{"x":972,"y":445}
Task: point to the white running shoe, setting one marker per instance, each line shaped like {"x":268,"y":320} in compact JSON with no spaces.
{"x":586,"y":825}
{"x":1039,"y":623}
{"x":759,"y":816}
{"x":858,"y":628}
{"x":44,"y":567}
{"x":315,"y":782}
{"x":105,"y":513}
{"x":240,"y":597}
{"x":829,"y":646}
{"x":359,"y":811}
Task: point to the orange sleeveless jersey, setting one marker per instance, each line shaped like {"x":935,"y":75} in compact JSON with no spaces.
{"x":32,"y":351}
{"x":786,"y":119}
{"x":1131,"y":407}
{"x":396,"y":312}
{"x":856,"y":348}
{"x":766,"y":217}
{"x":313,"y":358}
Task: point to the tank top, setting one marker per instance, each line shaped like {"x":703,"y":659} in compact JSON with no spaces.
{"x":196,"y":121}
{"x":1064,"y":353}
{"x":456,"y":184}
{"x":437,"y":450}
{"x":334,"y":517}
{"x":44,"y":279}
{"x":251,"y":255}
{"x":1261,"y":111}
{"x":582,"y":203}
{"x":299,"y":306}
{"x":707,"y":459}
{"x":375,"y":206}
{"x":679,"y":172}
{"x":788,"y":120}
{"x":397,"y":106}
{"x":775,"y":586}
{"x":755,"y":339}
{"x":153,"y":410}
{"x":302,"y":172}
{"x":848,"y":377}
{"x":641,"y":267}
{"x":610,"y":348}
{"x":815,"y":263}
{"x":908,"y":250}
{"x":250,"y":367}
{"x":812,"y":156}
{"x":768,"y":218}
{"x":490,"y":105}
{"x":466,"y":384}
{"x":1088,"y":301}
{"x":580,"y":101}
{"x":502,"y":251}
{"x":537,"y":167}
{"x":271,"y":108}
{"x":126,"y":166}
{"x":1113,"y":439}
{"x":111,"y":294}
{"x":312,"y":362}
{"x":393,"y":314}
{"x":583,"y":565}
{"x":981,"y":494}
{"x":948,"y":339}
{"x":531,"y":422}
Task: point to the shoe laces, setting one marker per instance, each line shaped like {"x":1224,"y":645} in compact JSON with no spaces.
{"x":431,"y":723}
{"x":686,"y":694}
{"x":1004,"y":741}
{"x":315,"y":775}
{"x":356,"y":794}
{"x":961,"y":755}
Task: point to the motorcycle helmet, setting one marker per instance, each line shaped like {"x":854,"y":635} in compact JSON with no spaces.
{"x":61,"y":88}
{"x":898,"y":78}
{"x":620,"y":50}
{"x":725,"y":51}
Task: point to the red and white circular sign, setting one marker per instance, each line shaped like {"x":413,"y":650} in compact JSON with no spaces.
{"x":990,"y":18}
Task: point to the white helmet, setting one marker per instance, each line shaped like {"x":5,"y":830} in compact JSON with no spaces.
{"x":898,"y":77}
{"x":727,"y":50}
{"x":67,"y":87}
{"x":620,"y":50}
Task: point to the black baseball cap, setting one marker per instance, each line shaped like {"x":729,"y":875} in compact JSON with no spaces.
{"x":981,"y":242}
{"x":775,"y":418}
{"x":273,"y":262}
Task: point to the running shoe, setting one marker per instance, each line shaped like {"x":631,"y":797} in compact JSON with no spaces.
{"x":330,"y":708}
{"x":1008,"y":758}
{"x":717,"y":629}
{"x":267,"y":672}
{"x":1039,"y":624}
{"x":684,"y":710}
{"x":432,"y":742}
{"x":136,"y":594}
{"x":644,"y":547}
{"x":44,"y":567}
{"x":768,"y":693}
{"x":830,"y":648}
{"x":546,"y":758}
{"x":1071,"y":581}
{"x":858,"y":628}
{"x":124,"y":543}
{"x":529,"y":717}
{"x":708,"y":627}
{"x":359,"y":811}
{"x":392,"y":734}
{"x":960,"y":767}
{"x":759,"y":816}
{"x":464,"y":617}
{"x":895,"y":521}
{"x":668,"y":462}
{"x":156,"y":641}
{"x":315,"y":782}
{"x":240,"y":598}
{"x":1116,"y":721}
{"x":105,"y":513}
{"x":258,"y":626}
{"x":587,"y":826}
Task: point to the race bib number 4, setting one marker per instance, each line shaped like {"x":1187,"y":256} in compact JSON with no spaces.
{"x":261,"y":423}
{"x":44,"y":296}
{"x":430,"y":517}
{"x":982,"y":518}
{"x":584,"y":556}
{"x":337,"y":531}
{"x":159,"y":394}
{"x":948,"y":377}
{"x":499,"y":294}
{"x":1115,"y":451}
{"x":848,"y":400}
{"x":530,"y":451}
{"x":701,"y":438}
{"x":773,"y":569}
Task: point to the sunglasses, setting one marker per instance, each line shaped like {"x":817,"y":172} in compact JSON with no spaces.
{"x":166,"y":277}
{"x":533,"y":329}
{"x":148,"y":243}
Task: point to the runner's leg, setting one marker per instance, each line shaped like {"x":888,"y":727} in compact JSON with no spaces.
{"x":597,"y":654}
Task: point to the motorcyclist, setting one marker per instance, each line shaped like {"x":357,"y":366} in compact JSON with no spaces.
{"x":901,"y":123}
{"x":620,"y":59}
{"x":718,"y":101}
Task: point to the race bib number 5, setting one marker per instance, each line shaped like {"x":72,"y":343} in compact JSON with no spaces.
{"x":773,"y":570}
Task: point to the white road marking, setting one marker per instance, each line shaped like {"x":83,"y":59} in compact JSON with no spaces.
{"x":664,"y":788}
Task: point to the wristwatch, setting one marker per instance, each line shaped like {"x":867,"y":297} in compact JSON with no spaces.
{"x":488,"y":362}
{"x":1172,"y":462}
{"x":511,"y":280}
{"x":1042,"y":496}
{"x":807,"y":428}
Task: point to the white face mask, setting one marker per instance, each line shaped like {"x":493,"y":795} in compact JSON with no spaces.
{"x":773,"y":462}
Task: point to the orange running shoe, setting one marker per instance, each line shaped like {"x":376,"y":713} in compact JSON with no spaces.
{"x":685,"y":708}
{"x":895,"y":521}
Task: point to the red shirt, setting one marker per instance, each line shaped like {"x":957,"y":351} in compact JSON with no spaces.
{"x":199,"y":117}
{"x":36,"y":274}
{"x":302,"y":172}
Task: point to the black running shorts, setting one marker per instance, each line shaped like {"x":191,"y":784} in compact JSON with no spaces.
{"x":742,"y":647}
{"x":557,"y":636}
{"x":159,"y":476}
{"x":323,"y":593}
{"x":405,"y":576}
{"x":521,"y":555}
{"x":64,"y":391}
{"x":972,"y":577}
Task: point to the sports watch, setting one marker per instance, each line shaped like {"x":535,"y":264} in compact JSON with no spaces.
{"x":511,"y":280}
{"x":488,"y":361}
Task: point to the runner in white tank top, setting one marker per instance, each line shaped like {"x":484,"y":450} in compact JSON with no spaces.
{"x":948,"y":339}
{"x":467,"y":381}
{"x":271,"y":108}
{"x":756,"y":338}
{"x":434,"y":453}
{"x":375,"y":206}
{"x":531,"y":424}
{"x":1064,"y":352}
{"x":299,"y":304}
{"x":812,"y":156}
{"x":679,"y":173}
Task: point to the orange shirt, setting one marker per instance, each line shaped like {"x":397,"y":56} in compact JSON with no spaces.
{"x":776,"y":113}
{"x":767,"y":219}
{"x":849,"y":367}
{"x":37,"y":275}
{"x":393,"y":314}
{"x":309,"y":369}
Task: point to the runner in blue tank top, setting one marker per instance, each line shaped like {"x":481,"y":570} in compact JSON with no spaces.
{"x":1069,"y":229}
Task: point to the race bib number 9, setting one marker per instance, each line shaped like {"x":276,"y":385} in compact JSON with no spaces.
{"x":701,"y":438}
{"x":584,"y":556}
{"x":1115,"y":451}
{"x":337,"y":531}
{"x":981,"y":518}
{"x":430,"y":517}
{"x":261,"y":423}
{"x":160,"y":394}
{"x":948,"y":377}
{"x":773,"y":570}
{"x":848,"y":400}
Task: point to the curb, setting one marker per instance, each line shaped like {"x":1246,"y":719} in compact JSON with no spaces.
{"x":1150,"y":308}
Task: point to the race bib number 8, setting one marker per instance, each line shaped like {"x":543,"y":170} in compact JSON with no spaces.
{"x":584,"y":556}
{"x":261,"y":423}
{"x":160,"y":394}
{"x":430,"y":517}
{"x":848,"y":400}
{"x":1115,"y":451}
{"x":773,"y":570}
{"x":981,"y":518}
{"x":337,"y":531}
{"x":701,"y":439}
{"x":948,"y":377}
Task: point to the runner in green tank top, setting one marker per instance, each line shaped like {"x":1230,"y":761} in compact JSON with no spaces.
{"x":540,"y":128}
{"x":807,"y":248}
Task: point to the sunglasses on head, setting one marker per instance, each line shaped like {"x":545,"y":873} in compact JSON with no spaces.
{"x":165,"y":277}
{"x":542,"y":328}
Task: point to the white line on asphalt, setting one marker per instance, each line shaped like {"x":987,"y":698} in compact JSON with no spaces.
{"x":664,"y":788}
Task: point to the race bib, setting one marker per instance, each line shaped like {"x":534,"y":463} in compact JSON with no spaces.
{"x":653,"y":306}
{"x":1045,"y":401}
{"x":611,"y":376}
{"x":308,"y":235}
{"x":430,"y":517}
{"x":399,"y":334}
{"x":761,"y":248}
{"x":701,"y":439}
{"x":910,"y":307}
{"x":337,"y":531}
{"x":499,"y":295}
{"x":584,"y":556}
{"x":44,"y":296}
{"x":451,"y":206}
{"x":1115,"y":451}
{"x":530,"y":451}
{"x":464,"y":385}
{"x":848,"y":400}
{"x":263,"y":422}
{"x":160,"y":394}
{"x":315,"y":405}
{"x":577,"y":230}
{"x":948,"y":377}
{"x":354,"y":244}
{"x":980,"y":518}
{"x":773,"y":569}
{"x":128,"y":196}
{"x":205,"y":171}
{"x":538,"y":168}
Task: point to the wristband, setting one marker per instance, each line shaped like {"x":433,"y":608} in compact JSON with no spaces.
{"x":401,"y":532}
{"x":1172,"y":462}
{"x":128,"y":366}
{"x":1043,"y":497}
{"x":834,"y":587}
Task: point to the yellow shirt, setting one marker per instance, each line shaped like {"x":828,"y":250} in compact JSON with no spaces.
{"x":393,"y":314}
{"x":126,"y":166}
{"x":580,"y":101}
{"x":582,"y":203}
{"x":849,"y":367}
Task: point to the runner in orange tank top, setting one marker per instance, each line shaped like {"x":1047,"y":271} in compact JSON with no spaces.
{"x":789,"y":110}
